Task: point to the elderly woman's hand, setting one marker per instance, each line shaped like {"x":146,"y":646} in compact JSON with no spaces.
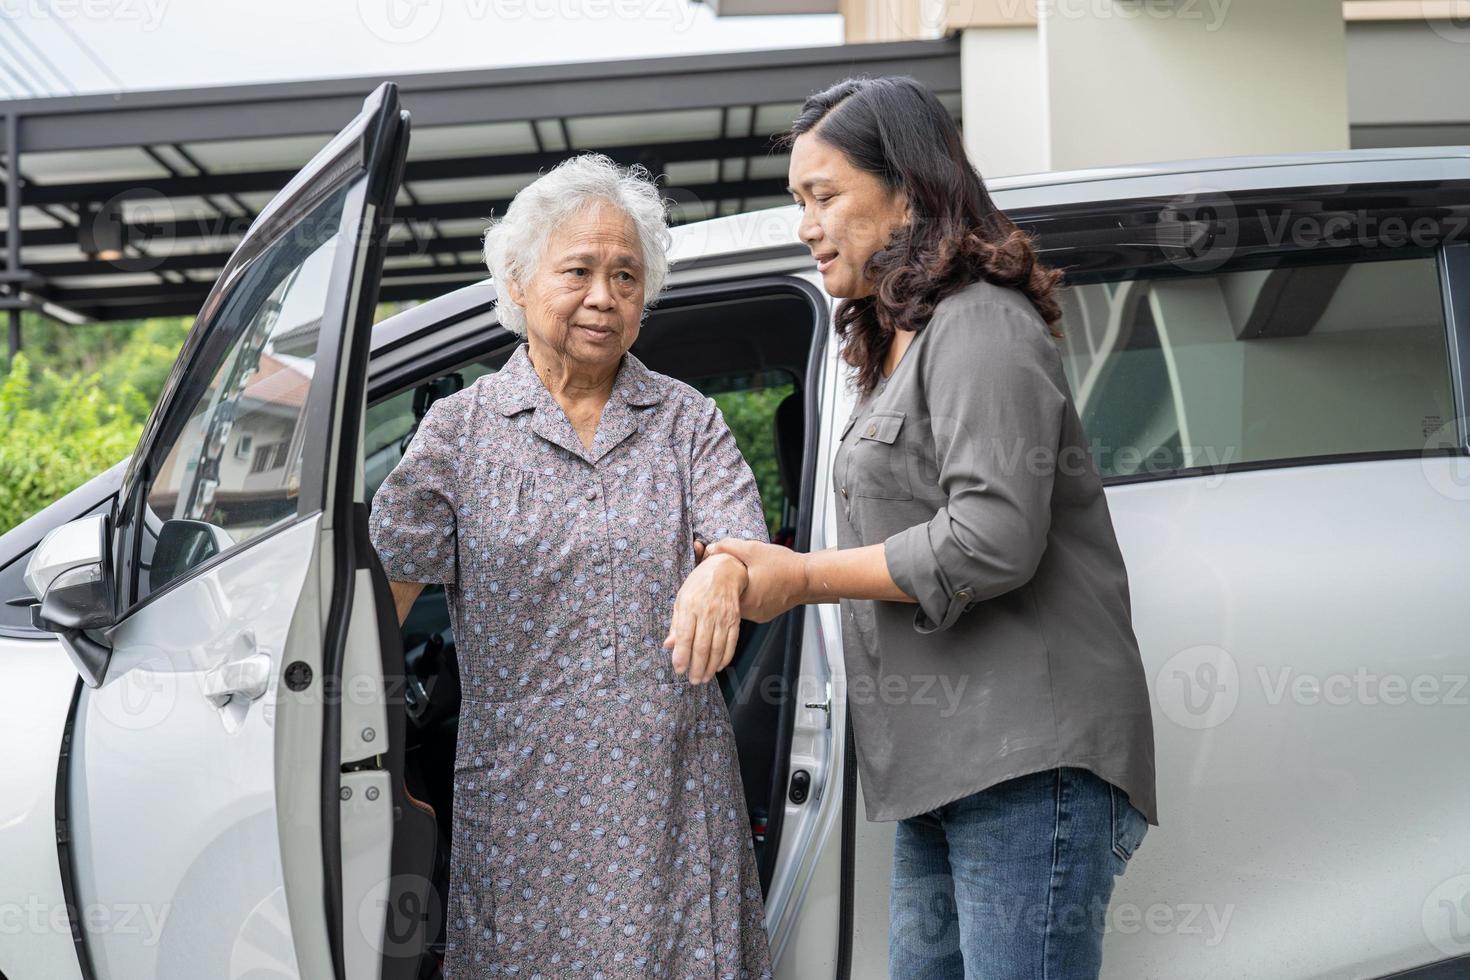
{"x":775,"y":576}
{"x":706,"y":624}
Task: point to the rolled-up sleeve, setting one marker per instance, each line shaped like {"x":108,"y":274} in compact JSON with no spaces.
{"x":725,"y":498}
{"x":992,"y":383}
{"x":413,"y":526}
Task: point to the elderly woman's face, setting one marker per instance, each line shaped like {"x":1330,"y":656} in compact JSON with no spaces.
{"x":585,"y":299}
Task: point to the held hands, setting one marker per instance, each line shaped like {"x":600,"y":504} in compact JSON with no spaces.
{"x":706,"y":623}
{"x":733,"y":580}
{"x":776,"y":577}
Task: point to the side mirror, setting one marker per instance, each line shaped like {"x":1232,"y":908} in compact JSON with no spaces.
{"x":182,"y":545}
{"x":71,"y":574}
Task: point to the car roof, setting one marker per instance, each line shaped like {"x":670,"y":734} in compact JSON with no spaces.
{"x":1161,"y":179}
{"x":773,"y":230}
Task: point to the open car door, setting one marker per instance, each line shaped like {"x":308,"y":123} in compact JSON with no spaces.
{"x":232,"y":799}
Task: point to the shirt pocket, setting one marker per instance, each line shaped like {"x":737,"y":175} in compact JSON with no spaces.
{"x":878,"y":462}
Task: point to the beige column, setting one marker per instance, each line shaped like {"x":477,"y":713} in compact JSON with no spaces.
{"x":1067,"y":84}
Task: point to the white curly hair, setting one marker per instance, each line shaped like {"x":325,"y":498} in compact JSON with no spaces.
{"x":514,"y":242}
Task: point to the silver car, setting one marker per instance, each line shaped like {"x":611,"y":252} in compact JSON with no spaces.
{"x":227,"y":760}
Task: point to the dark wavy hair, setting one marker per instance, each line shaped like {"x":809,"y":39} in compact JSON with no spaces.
{"x":897,"y":130}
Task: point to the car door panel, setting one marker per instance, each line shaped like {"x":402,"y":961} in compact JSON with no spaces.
{"x":207,"y":790}
{"x":34,"y":701}
{"x":1284,"y":655}
{"x":212,"y":853}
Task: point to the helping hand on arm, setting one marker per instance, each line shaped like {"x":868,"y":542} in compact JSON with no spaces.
{"x":779,"y":578}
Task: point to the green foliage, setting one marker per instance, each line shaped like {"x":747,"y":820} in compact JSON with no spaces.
{"x":75,"y":400}
{"x":62,"y":424}
{"x":751,"y":417}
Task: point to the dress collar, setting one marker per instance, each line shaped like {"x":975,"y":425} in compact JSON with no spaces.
{"x":521,"y":389}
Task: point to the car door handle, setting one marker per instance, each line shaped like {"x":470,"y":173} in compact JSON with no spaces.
{"x":247,"y":678}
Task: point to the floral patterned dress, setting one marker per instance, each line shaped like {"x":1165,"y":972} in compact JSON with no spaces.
{"x":600,"y":827}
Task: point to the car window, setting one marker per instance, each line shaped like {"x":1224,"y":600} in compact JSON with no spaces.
{"x":1250,"y":366}
{"x":232,"y":469}
{"x":748,"y":402}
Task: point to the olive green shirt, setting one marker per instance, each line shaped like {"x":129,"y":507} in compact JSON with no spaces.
{"x":969,"y":464}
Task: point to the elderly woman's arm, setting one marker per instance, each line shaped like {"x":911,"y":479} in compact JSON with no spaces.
{"x":413,"y":525}
{"x":726,"y":503}
{"x":404,"y":593}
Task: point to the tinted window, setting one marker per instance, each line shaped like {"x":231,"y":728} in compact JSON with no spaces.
{"x":232,"y":470}
{"x":1260,"y":365}
{"x":748,"y":402}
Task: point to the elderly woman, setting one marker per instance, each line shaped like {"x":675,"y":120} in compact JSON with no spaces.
{"x":599,"y":819}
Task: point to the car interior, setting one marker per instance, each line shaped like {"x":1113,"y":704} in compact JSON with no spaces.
{"x":1294,"y":360}
{"x":752,"y":354}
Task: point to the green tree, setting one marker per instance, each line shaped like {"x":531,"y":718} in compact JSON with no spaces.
{"x":62,"y":424}
{"x":60,"y":431}
{"x":751,"y":417}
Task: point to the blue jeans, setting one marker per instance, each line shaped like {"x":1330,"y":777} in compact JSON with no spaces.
{"x":1012,"y":882}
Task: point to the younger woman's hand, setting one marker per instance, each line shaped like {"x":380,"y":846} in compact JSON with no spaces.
{"x":706,"y":622}
{"x":775,"y":576}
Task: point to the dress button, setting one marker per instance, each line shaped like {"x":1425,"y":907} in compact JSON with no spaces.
{"x":590,"y":493}
{"x":872,"y":430}
{"x":962,"y":595}
{"x":844,"y":491}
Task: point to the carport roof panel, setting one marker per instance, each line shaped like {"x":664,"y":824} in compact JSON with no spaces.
{"x":189,"y":183}
{"x":321,"y":106}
